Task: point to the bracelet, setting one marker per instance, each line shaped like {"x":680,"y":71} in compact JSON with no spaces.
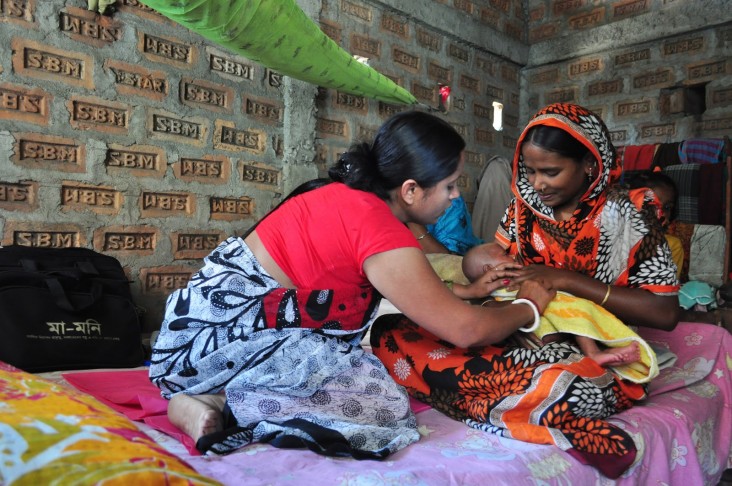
{"x":607,"y":295}
{"x":422,"y":236}
{"x":537,"y":316}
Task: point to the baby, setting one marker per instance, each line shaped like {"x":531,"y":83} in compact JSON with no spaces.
{"x":490,"y":257}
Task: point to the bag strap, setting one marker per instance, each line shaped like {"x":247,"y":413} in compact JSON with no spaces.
{"x":80,"y":268}
{"x":62,"y":300}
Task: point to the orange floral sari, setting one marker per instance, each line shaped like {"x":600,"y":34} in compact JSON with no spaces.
{"x":553,"y":394}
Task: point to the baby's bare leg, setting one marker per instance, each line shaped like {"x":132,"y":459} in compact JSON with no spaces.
{"x":197,"y":415}
{"x":610,"y":356}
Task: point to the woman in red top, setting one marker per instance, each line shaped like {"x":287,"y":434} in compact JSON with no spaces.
{"x":268,"y":331}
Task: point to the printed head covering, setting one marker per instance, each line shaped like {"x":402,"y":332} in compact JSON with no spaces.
{"x":588,"y":129}
{"x":613,"y":235}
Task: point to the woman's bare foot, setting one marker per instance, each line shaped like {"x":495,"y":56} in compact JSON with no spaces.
{"x":197,"y":415}
{"x":617,"y":356}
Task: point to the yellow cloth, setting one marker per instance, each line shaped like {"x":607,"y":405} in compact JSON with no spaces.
{"x":568,"y":314}
{"x":581,"y":317}
{"x":677,"y":252}
{"x":448,"y":267}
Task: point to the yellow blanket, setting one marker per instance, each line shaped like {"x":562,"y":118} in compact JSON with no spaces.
{"x":581,"y":317}
{"x":571,"y":315}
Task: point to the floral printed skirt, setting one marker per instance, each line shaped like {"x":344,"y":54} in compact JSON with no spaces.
{"x":551,"y":395}
{"x":289,"y":361}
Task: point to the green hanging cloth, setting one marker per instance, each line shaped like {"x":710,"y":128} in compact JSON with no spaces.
{"x":278,"y":35}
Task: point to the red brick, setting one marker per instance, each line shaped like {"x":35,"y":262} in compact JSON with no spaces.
{"x":43,"y":235}
{"x":229,"y":137}
{"x":439,"y":73}
{"x":199,"y":93}
{"x":424,"y":93}
{"x":331,"y":128}
{"x":636,"y":108}
{"x":265,"y":110}
{"x":88,"y":27}
{"x":394,"y":24}
{"x":169,"y":126}
{"x":231,"y":208}
{"x":490,"y":17}
{"x":133,"y":241}
{"x":357,"y":10}
{"x":195,"y":244}
{"x":263,"y":176}
{"x":137,"y":160}
{"x":352,"y":102}
{"x":35,"y":150}
{"x":19,"y":196}
{"x":88,"y":113}
{"x":587,"y":20}
{"x":209,"y":169}
{"x":165,"y":279}
{"x":584,"y":67}
{"x":20,"y":12}
{"x":166,"y":204}
{"x":226,"y":65}
{"x":23,"y":103}
{"x":458,"y":53}
{"x":469,"y":83}
{"x":94,"y":198}
{"x":365,"y":46}
{"x":429,"y":40}
{"x":40,"y":61}
{"x":332,"y":30}
{"x":167,"y":50}
{"x":135,"y":80}
{"x":629,"y":8}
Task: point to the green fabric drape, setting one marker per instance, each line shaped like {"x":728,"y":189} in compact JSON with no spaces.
{"x":278,"y":35}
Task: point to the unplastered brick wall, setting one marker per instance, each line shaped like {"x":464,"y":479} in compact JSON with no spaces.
{"x":413,"y":44}
{"x":637,"y":63}
{"x":131,"y":135}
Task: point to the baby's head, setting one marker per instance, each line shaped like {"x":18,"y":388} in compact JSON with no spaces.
{"x":479,"y":259}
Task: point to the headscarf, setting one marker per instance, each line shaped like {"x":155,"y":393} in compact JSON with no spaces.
{"x":613,"y":234}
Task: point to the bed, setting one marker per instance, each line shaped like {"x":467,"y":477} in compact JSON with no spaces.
{"x":92,"y":425}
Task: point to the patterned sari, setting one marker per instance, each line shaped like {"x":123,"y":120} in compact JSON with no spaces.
{"x":289,"y":361}
{"x":553,"y":394}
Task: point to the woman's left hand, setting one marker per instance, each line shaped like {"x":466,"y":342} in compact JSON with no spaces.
{"x":552,"y":277}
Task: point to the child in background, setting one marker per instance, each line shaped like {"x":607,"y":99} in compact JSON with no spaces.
{"x":665,"y":190}
{"x":490,"y":258}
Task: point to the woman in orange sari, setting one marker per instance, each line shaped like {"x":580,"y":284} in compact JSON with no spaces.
{"x":576,"y":234}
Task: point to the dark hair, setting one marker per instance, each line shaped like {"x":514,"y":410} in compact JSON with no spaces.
{"x":652,"y":180}
{"x":409,"y":145}
{"x":556,"y":140}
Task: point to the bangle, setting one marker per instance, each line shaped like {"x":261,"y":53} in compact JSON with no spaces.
{"x":422,"y":236}
{"x":607,"y":295}
{"x":537,"y":316}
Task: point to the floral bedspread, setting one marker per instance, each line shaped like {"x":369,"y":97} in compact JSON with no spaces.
{"x":683,"y":432}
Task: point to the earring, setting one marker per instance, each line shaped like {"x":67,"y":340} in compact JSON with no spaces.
{"x":589,"y":176}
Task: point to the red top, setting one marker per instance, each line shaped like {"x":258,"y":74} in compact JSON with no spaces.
{"x":320,"y":239}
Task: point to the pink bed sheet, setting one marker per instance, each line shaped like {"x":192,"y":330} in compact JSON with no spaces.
{"x":683,"y":431}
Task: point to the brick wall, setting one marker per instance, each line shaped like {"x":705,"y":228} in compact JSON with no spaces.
{"x":630,"y":61}
{"x":136,"y":137}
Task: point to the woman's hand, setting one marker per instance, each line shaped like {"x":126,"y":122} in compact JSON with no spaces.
{"x":555,"y":278}
{"x":493,"y":279}
{"x":538,"y":292}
